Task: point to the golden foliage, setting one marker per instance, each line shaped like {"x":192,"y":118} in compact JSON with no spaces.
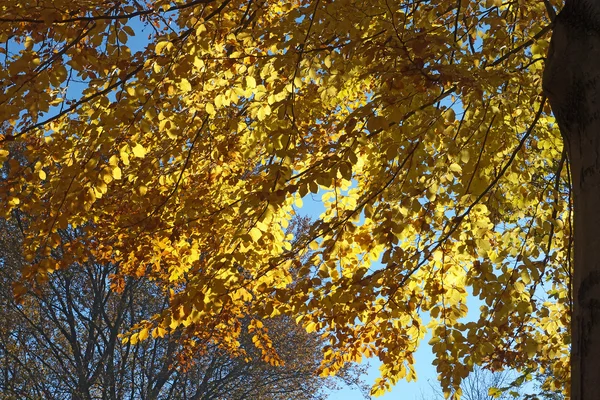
{"x":184,"y":136}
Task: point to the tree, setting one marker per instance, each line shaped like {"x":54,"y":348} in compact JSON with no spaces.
{"x":63,"y":342}
{"x":181,"y":137}
{"x":570,"y":80}
{"x":481,"y":385}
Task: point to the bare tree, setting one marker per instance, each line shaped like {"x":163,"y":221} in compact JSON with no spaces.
{"x":481,"y":385}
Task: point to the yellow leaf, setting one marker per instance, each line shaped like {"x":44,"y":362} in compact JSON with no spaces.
{"x":139,"y":151}
{"x":106,"y":176}
{"x":218,"y":101}
{"x":28,"y":43}
{"x":210,"y":109}
{"x":455,"y":168}
{"x":185,"y":85}
{"x":134,"y":338}
{"x":465,"y":156}
{"x":261,"y":114}
{"x":116,"y":173}
{"x":255,"y":234}
{"x":143,"y":335}
{"x":262,"y":226}
{"x":160,"y":47}
{"x":159,"y":332}
{"x":434,"y":340}
{"x":124,"y":154}
{"x":311,"y":327}
{"x":250,"y":82}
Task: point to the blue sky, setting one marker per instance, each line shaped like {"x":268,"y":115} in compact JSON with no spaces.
{"x":415,"y":390}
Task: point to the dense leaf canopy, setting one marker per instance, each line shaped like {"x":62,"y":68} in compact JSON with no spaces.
{"x":183,"y":136}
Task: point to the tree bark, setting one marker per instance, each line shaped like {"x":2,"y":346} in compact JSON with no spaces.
{"x":572,"y":84}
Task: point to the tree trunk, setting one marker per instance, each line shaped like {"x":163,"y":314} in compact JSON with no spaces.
{"x":572,"y":84}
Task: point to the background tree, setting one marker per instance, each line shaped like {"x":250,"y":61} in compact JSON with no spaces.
{"x":183,"y":156}
{"x":63,"y":341}
{"x":481,"y":385}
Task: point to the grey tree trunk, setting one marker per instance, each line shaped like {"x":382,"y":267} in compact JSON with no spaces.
{"x":572,"y":84}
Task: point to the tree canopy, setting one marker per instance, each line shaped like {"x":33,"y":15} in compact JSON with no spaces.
{"x":181,"y":137}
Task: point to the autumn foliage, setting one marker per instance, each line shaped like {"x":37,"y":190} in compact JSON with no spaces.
{"x":62,"y":341}
{"x":181,"y":138}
